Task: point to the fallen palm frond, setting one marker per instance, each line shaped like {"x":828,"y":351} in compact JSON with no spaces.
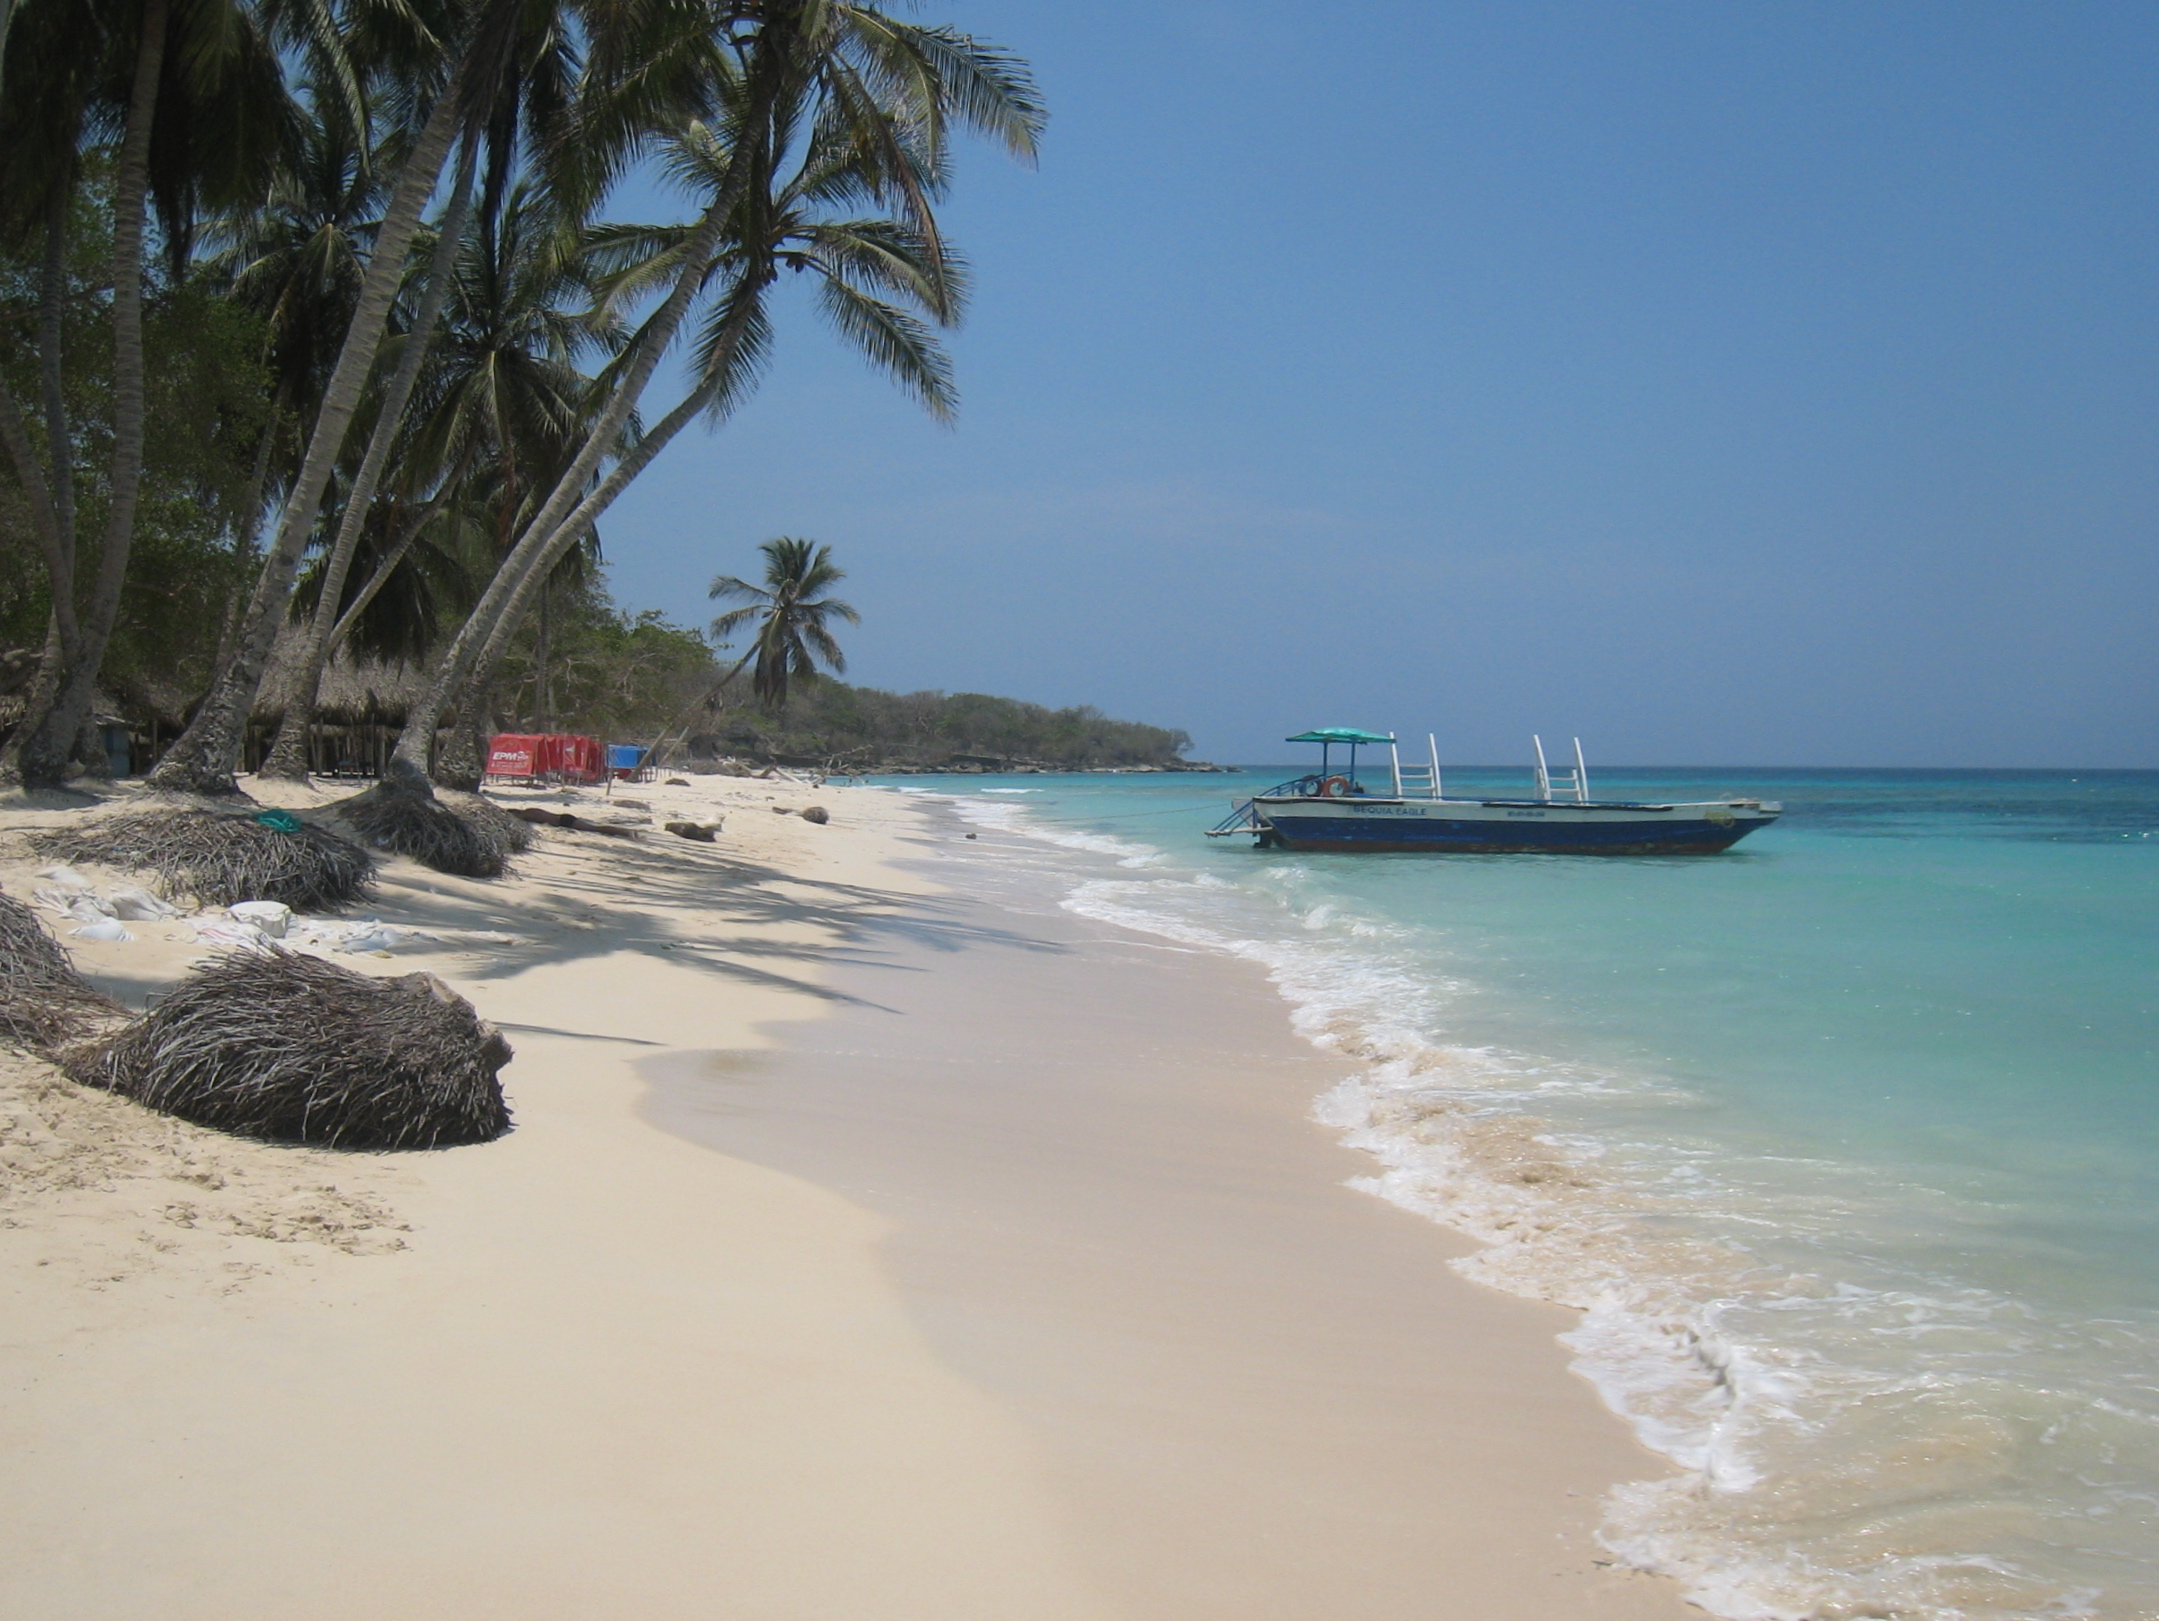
{"x":44,"y":1003}
{"x":290,"y":1048}
{"x":413,"y":822}
{"x":220,"y":859}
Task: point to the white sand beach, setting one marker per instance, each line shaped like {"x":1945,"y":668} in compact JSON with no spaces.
{"x":993,"y":1269}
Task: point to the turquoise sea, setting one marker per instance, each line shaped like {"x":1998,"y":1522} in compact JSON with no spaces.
{"x":1846,"y":1141}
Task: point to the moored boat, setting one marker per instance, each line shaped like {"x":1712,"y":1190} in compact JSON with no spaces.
{"x":1339,"y":811}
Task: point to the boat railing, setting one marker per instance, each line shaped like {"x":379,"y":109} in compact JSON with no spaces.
{"x":1245,"y":819}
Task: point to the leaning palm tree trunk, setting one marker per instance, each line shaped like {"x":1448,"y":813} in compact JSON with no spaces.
{"x":247,"y":540}
{"x":52,"y":308}
{"x":46,"y":740}
{"x":704,"y":700}
{"x":564,"y":519}
{"x":471,"y":695}
{"x":203,"y":757}
{"x":383,"y":570}
{"x":288,"y":755}
{"x":485,"y":635}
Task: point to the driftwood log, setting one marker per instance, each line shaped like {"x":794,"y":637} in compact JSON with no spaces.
{"x":541,"y":816}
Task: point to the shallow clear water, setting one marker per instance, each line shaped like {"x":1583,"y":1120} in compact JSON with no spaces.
{"x":1847,"y":1141}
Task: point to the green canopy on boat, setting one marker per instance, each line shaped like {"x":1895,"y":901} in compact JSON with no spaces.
{"x":1340,"y":734}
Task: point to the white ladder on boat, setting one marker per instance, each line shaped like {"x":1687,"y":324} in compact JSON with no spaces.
{"x":1576,"y":781}
{"x":1417,"y":779}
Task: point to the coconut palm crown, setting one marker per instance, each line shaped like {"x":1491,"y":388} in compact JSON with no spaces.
{"x":789,"y":611}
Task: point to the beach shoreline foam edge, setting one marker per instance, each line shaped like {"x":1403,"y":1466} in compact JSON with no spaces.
{"x":1797,"y":1469}
{"x":1112,"y":1210}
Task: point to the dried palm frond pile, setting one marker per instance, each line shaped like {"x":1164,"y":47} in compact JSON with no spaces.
{"x":414,"y":822}
{"x":491,"y":821}
{"x":220,"y":859}
{"x":290,"y":1048}
{"x":44,"y":1004}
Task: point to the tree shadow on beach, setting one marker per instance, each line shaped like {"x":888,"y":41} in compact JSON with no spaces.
{"x":721,"y":913}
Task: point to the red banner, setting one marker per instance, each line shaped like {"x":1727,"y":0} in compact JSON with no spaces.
{"x":547,"y":756}
{"x":511,"y":755}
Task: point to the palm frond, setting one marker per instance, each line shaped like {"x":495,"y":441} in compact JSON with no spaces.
{"x":890,"y":258}
{"x":988,"y":88}
{"x":894,"y":341}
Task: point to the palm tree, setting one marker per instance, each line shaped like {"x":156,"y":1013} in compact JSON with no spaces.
{"x":469,"y":57}
{"x":502,"y":392}
{"x":789,"y":611}
{"x":456,"y":74}
{"x":530,"y":101}
{"x":296,"y":257}
{"x":846,"y":74}
{"x":868,"y":270}
{"x":45,"y":742}
{"x":198,"y":97}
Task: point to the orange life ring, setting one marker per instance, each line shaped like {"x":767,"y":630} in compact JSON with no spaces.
{"x":1335,"y":788}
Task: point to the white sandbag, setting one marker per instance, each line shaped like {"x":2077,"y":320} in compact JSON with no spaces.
{"x":66,"y":877}
{"x":244,"y":935}
{"x":106,"y":928}
{"x":380,"y":937}
{"x":89,"y":909}
{"x":272,"y":917}
{"x":138,"y":905}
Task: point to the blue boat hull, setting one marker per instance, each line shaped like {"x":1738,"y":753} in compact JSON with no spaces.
{"x":1485,"y":836}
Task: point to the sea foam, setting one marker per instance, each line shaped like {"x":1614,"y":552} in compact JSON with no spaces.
{"x":1850,"y":1435}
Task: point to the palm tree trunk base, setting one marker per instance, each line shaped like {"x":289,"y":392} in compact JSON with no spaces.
{"x":288,"y":757}
{"x":402,"y":814}
{"x":461,"y":761}
{"x":196,"y":764}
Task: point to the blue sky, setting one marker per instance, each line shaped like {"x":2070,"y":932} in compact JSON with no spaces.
{"x":1769,"y":383}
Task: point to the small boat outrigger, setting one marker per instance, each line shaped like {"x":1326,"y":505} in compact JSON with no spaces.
{"x":1335,"y":811}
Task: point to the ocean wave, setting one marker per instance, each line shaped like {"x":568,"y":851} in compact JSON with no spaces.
{"x":1004,"y":817}
{"x":1852,"y":1436}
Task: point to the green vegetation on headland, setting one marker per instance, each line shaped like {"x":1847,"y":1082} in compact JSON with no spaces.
{"x":630,"y":677}
{"x":829,"y":724}
{"x":802,"y":717}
